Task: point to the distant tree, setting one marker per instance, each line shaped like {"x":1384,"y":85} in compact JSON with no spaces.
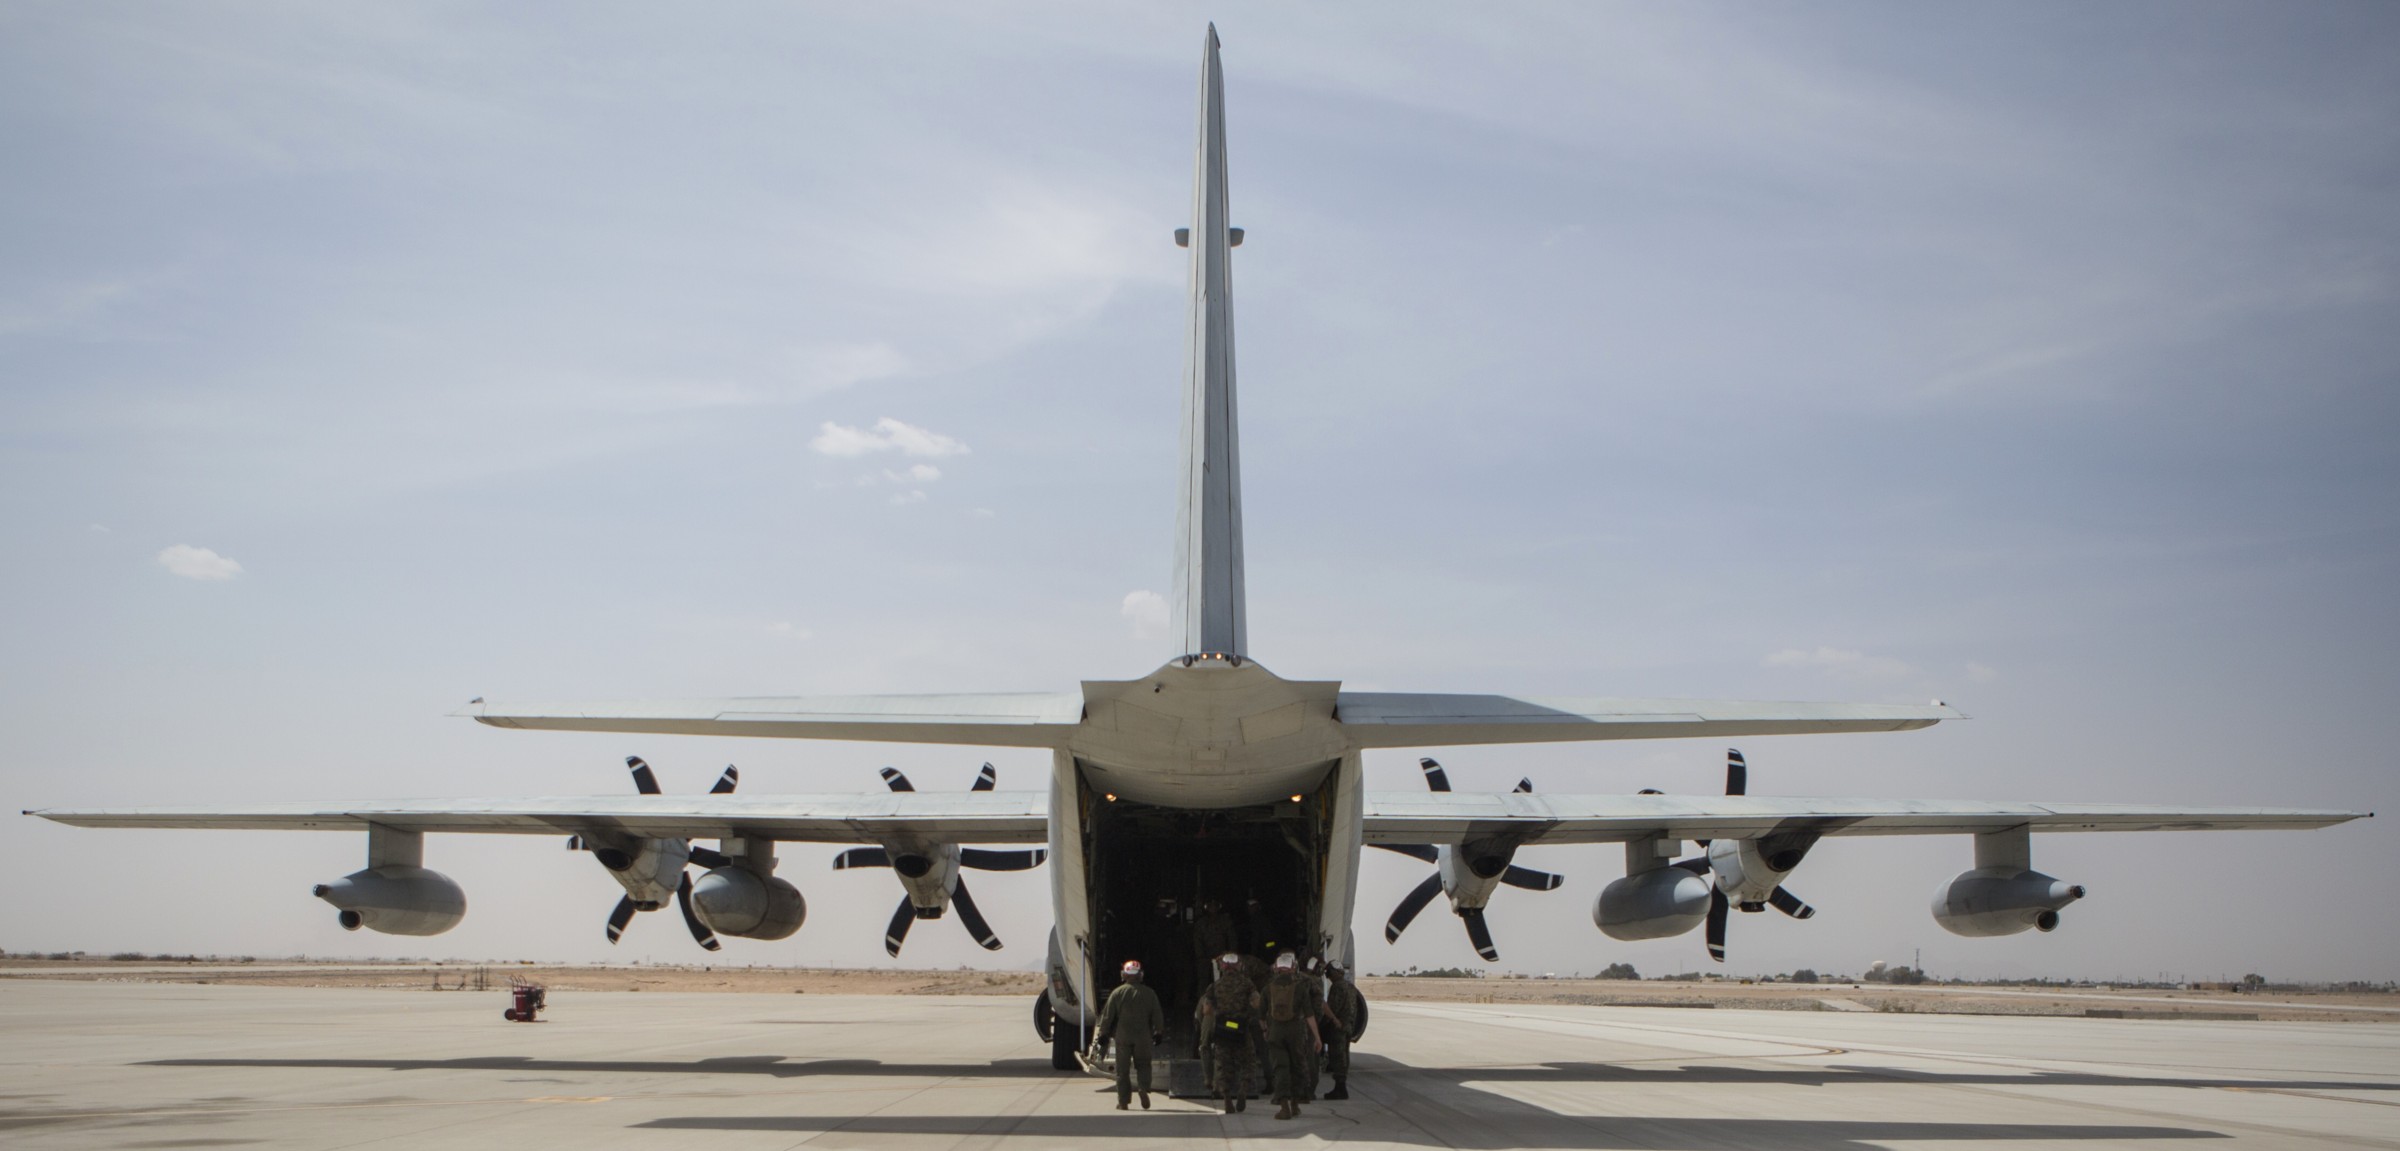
{"x":1804,"y":975}
{"x":1620,"y":971}
{"x":2254,"y":981}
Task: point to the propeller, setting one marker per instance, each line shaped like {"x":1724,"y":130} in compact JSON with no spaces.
{"x":1737,"y":782}
{"x":1479,"y":932}
{"x":911,"y":865}
{"x":645,"y":781}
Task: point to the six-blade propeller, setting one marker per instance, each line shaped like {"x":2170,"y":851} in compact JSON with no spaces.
{"x":1737,"y":782}
{"x":916,"y":864}
{"x":645,"y":781}
{"x":1481,"y":865}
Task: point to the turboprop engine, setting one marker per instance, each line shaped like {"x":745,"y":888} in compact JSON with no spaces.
{"x":928,"y":871}
{"x":394,"y":893}
{"x":1657,"y":899}
{"x":1467,"y":872}
{"x":2003,"y":895}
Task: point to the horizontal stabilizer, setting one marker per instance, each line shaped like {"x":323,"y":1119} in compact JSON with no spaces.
{"x":1412,"y":719}
{"x":1027,"y":719}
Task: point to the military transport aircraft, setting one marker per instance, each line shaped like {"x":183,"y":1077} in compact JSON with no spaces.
{"x":1207,"y":784}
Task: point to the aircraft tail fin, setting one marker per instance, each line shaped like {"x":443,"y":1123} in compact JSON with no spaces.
{"x":1208,"y":605}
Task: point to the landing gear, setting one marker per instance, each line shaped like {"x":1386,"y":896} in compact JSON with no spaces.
{"x":1064,"y":1052}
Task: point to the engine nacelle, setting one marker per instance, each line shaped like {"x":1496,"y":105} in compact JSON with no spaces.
{"x":1749,"y":870}
{"x":1652,"y":905}
{"x":396,"y":900}
{"x":650,"y":869}
{"x":738,"y":901}
{"x":2001,"y":901}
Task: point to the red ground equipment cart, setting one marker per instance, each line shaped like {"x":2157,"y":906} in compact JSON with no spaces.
{"x":525,"y":999}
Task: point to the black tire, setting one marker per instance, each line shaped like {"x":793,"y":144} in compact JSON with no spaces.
{"x":1043,"y":1020}
{"x":1360,"y":1032}
{"x":1062,"y":1047}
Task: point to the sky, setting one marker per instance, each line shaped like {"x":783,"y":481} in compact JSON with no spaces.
{"x":2039,"y":358}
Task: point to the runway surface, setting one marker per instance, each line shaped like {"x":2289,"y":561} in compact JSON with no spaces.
{"x":131,"y":1065}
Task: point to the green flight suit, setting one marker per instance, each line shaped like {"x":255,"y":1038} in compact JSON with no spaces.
{"x":1134,"y":1019}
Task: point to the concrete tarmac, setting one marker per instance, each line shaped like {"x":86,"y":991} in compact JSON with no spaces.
{"x":134,"y":1065}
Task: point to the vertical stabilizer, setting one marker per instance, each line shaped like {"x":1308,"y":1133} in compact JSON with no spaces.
{"x":1208,"y":543}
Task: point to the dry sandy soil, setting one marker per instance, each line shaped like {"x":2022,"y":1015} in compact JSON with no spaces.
{"x":1942,"y":999}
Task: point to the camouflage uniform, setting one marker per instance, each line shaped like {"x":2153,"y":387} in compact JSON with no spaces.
{"x":1342,"y":1005}
{"x":1233,"y":1000}
{"x":1289,"y":1003}
{"x":1133,"y":1017}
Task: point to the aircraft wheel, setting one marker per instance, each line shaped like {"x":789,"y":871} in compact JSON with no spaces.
{"x":1043,"y":1020}
{"x":1062,"y":1047}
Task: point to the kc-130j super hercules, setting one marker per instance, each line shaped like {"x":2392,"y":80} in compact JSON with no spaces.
{"x":1208,"y":779}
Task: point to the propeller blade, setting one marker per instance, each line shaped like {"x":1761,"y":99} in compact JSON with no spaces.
{"x":1525,"y":784}
{"x":726,"y":781}
{"x":861,"y":857}
{"x":1480,"y":933}
{"x":1435,"y":777}
{"x":1737,"y":773}
{"x":1410,"y":905}
{"x":972,"y":919}
{"x":700,"y":932}
{"x":1717,"y":908}
{"x":982,"y":860}
{"x":986,"y":779}
{"x":708,"y":858}
{"x":1531,"y":880}
{"x":1790,"y":904}
{"x":896,"y":781}
{"x":1422,"y":851}
{"x":618,"y":918}
{"x":644,"y":780}
{"x":897,"y":933}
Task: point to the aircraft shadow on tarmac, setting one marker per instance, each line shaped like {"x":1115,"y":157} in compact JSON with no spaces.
{"x":1421,"y":1105}
{"x":1369,"y":1067}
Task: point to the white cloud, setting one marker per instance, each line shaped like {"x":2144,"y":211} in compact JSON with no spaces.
{"x":1148,"y":611}
{"x":98,"y":529}
{"x":198,"y":563}
{"x":1979,"y":673}
{"x":888,"y":435}
{"x":1840,"y":661}
{"x":913,"y":497}
{"x":916,"y":474}
{"x":784,"y":629}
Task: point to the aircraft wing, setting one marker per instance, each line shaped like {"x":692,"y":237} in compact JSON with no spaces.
{"x":956,"y":817}
{"x":1529,"y":818}
{"x":1414,"y":719}
{"x":1029,"y":719}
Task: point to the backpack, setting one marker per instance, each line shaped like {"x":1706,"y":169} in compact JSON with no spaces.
{"x":1283,"y":1000}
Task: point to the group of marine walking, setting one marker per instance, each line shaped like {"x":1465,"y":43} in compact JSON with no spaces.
{"x":1299,"y":1017}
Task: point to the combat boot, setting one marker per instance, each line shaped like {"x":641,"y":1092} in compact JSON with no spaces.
{"x":1287,"y":1110}
{"x":1341,"y":1089}
{"x":1121,"y":1104}
{"x":1229,"y":1107}
{"x":1145,"y":1101}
